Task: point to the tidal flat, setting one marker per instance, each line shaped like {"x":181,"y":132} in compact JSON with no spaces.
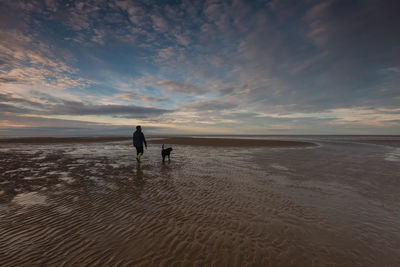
{"x":328,"y":202}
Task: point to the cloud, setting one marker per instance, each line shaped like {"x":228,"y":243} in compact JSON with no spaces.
{"x":79,"y":108}
{"x":167,"y":53}
{"x":16,"y":125}
{"x":136,"y":97}
{"x":179,"y":87}
{"x":12,"y":109}
{"x":29,"y":62}
{"x":46,"y":105}
{"x":7,"y":98}
{"x":159,"y":23}
{"x":281,"y":60}
{"x":367,"y":116}
{"x":207,"y":105}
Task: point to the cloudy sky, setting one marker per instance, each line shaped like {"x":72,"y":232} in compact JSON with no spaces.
{"x":199,"y":67}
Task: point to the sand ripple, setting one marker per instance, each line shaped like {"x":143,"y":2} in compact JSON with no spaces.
{"x":93,"y":208}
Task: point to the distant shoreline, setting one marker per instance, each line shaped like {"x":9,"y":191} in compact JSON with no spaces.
{"x":192,"y":141}
{"x":54,"y":140}
{"x":226,"y":142}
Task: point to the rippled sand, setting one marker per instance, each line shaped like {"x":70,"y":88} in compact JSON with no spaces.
{"x":333,"y":204}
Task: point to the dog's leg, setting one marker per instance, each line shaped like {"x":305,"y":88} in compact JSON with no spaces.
{"x":169,"y":159}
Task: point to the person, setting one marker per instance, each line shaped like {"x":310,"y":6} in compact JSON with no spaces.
{"x":138,"y":140}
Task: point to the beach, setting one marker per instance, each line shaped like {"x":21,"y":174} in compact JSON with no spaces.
{"x":230,"y":142}
{"x":57,"y":140}
{"x":298,"y":201}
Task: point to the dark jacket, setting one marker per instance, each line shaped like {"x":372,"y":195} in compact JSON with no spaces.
{"x":138,"y":139}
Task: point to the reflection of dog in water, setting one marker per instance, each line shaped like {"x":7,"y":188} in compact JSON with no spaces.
{"x":166,"y":152}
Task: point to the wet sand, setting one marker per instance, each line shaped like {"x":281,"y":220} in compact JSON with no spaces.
{"x":215,"y":142}
{"x":227,"y":142}
{"x":393,"y":143}
{"x":55,"y":140}
{"x":92,"y":204}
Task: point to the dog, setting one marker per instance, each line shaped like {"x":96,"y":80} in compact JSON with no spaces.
{"x":166,"y":152}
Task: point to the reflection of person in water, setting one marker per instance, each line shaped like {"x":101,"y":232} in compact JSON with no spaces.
{"x":138,"y":181}
{"x":138,"y":140}
{"x":139,"y":172}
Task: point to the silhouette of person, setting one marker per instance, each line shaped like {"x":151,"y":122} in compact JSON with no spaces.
{"x":138,"y":140}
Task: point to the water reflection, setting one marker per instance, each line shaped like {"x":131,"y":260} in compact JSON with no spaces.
{"x":138,"y":180}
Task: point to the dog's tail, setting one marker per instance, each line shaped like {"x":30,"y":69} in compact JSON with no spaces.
{"x":162,"y":146}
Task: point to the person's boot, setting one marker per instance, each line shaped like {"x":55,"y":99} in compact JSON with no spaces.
{"x":138,"y":157}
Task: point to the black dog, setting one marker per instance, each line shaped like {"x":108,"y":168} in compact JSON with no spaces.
{"x":166,"y":152}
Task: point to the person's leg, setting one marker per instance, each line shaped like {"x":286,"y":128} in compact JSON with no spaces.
{"x":139,"y":153}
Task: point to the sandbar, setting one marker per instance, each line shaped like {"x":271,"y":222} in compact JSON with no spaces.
{"x":229,"y":142}
{"x":393,"y":143}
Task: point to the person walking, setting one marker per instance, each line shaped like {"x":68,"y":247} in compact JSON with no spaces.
{"x":138,"y":140}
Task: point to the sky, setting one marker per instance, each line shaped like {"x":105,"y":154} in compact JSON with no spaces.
{"x":199,"y":67}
